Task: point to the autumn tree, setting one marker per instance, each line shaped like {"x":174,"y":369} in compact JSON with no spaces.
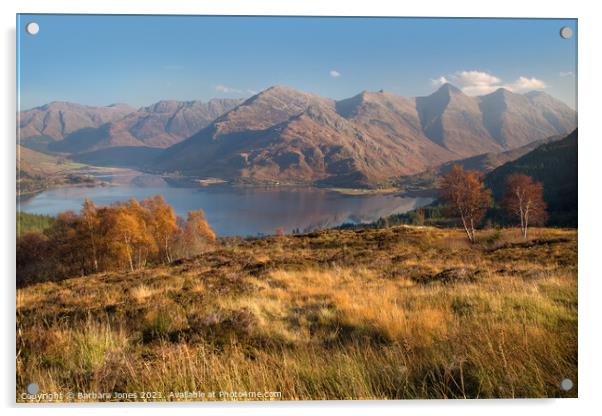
{"x":466,"y":196}
{"x":524,"y":201}
{"x":419,"y":217}
{"x":125,"y":233}
{"x":141,"y":240}
{"x":162,"y":224}
{"x":91,"y":226}
{"x":197,"y":234}
{"x":121,"y":236}
{"x":68,"y":244}
{"x":34,"y":259}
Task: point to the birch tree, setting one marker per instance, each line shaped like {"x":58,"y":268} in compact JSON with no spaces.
{"x":524,"y":201}
{"x":467,"y":197}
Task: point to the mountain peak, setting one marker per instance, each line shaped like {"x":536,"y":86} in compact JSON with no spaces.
{"x":349,"y":106}
{"x":499,"y":94}
{"x":367,"y":95}
{"x":281,"y":89}
{"x":162,"y":106}
{"x":502,"y":90}
{"x":277,"y":92}
{"x":287,"y":99}
{"x":448,"y":88}
{"x":58,"y":105}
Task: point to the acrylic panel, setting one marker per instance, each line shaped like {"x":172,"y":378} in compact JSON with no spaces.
{"x":215,"y":208}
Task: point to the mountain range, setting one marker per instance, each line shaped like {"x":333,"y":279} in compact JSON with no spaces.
{"x":58,"y":119}
{"x":290,"y":136}
{"x":283,"y":134}
{"x":52,"y":122}
{"x":159,"y":125}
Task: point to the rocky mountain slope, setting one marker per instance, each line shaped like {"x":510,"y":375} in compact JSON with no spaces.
{"x":290,"y":136}
{"x":513,"y":120}
{"x":58,"y":119}
{"x":287,"y":135}
{"x":159,"y":125}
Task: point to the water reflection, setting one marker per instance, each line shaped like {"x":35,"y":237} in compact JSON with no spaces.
{"x":232,"y":210}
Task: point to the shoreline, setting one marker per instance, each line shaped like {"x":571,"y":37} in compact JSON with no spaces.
{"x":93,"y":172}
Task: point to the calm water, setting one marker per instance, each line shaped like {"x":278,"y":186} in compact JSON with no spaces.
{"x":230,"y":210}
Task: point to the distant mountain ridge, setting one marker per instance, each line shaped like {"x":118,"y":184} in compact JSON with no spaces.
{"x":454,"y":121}
{"x":514,"y":119}
{"x":159,"y":125}
{"x":58,"y":119}
{"x":283,"y":134}
{"x":286,"y":135}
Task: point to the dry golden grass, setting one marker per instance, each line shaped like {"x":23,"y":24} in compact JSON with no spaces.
{"x":405,"y":312}
{"x":141,"y":293}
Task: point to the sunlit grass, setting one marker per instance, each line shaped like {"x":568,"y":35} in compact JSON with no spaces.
{"x":407,"y":312}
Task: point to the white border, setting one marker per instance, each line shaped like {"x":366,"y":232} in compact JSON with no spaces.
{"x":590,"y":233}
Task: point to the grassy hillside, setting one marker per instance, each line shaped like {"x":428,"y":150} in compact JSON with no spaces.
{"x":554,"y":164}
{"x":37,"y":171}
{"x":403,"y":312}
{"x":37,"y":163}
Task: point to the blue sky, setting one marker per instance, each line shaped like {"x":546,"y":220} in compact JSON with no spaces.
{"x":100,"y":60}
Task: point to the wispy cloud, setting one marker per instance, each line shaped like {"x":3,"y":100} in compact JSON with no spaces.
{"x":480,"y":82}
{"x":334,"y":73}
{"x":566,"y":74}
{"x":224,"y":89}
{"x":227,"y":90}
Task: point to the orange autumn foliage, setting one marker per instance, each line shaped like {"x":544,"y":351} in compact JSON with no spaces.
{"x":524,"y":201}
{"x":122,"y":236}
{"x":466,"y":196}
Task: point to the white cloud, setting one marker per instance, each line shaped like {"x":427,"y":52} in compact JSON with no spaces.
{"x":334,"y":73}
{"x":227,"y":90}
{"x":526,"y":84}
{"x":481,"y":82}
{"x":224,"y":89}
{"x":475,"y":79}
{"x":439,"y":81}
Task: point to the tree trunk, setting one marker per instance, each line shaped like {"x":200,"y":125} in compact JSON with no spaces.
{"x":167,"y":255}
{"x":129,"y":252}
{"x":470,"y":237}
{"x":92,"y":241}
{"x":521,"y":210}
{"x":473,"y":240}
